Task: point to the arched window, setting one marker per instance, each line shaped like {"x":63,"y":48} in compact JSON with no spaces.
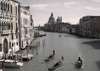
{"x":5,"y":46}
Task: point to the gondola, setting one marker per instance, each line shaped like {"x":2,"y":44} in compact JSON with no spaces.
{"x":78,"y":65}
{"x":49,"y":58}
{"x":55,"y":66}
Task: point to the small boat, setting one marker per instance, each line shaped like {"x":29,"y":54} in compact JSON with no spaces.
{"x":59,"y":35}
{"x":49,"y":58}
{"x":78,"y":65}
{"x":27,"y":57}
{"x":8,"y":63}
{"x":55,"y":66}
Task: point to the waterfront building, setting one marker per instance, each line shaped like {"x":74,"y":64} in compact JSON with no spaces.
{"x":89,"y":26}
{"x":56,"y":26}
{"x":14,"y":37}
{"x":66,"y":27}
{"x":8,"y":26}
{"x":75,"y":29}
{"x":26,"y":22}
{"x":59,"y":20}
{"x":31,"y":28}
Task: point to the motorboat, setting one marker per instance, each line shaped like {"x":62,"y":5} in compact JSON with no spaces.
{"x":11,"y":62}
{"x":42,"y":34}
{"x":8,"y":63}
{"x":27,"y":57}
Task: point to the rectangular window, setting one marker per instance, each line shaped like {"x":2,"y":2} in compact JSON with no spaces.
{"x":0,"y":27}
{"x":11,"y":26}
{"x":16,"y":31}
{"x":11,"y":8}
{"x":25,"y":30}
{"x":22,"y":43}
{"x":8,"y":7}
{"x":25,"y":21}
{"x":3,"y":27}
{"x":16,"y":10}
{"x":12,"y":36}
{"x":9,"y":44}
{"x":8,"y":26}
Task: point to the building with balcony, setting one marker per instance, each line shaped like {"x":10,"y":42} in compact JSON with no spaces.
{"x":14,"y":37}
{"x":8,"y":25}
{"x":26,"y":22}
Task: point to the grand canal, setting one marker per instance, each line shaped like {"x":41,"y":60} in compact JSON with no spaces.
{"x":68,"y":46}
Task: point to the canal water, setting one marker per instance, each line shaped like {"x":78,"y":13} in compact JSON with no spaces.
{"x":66,"y":45}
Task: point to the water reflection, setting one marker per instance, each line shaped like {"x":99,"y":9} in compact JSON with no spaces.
{"x":68,"y":46}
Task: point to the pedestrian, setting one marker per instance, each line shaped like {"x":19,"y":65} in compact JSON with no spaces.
{"x":62,"y":58}
{"x":36,"y":51}
{"x":53,"y":52}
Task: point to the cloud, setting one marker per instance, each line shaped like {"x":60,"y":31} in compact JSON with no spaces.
{"x":90,"y":8}
{"x":55,"y":4}
{"x":39,"y":6}
{"x":69,"y":4}
{"x":97,"y":1}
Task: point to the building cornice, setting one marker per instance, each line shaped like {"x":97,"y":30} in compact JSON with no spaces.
{"x":14,"y":1}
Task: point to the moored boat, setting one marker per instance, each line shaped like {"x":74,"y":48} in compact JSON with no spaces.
{"x":8,"y":63}
{"x":27,"y":57}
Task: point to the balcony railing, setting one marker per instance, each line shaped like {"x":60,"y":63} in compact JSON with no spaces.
{"x":5,"y":32}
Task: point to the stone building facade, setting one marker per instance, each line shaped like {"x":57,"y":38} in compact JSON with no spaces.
{"x":90,"y":26}
{"x":56,"y":26}
{"x":8,"y":26}
{"x":26,"y":22}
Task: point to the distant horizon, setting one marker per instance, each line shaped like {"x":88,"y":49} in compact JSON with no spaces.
{"x":70,"y":10}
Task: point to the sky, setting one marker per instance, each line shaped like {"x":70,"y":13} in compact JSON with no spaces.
{"x":70,"y":10}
